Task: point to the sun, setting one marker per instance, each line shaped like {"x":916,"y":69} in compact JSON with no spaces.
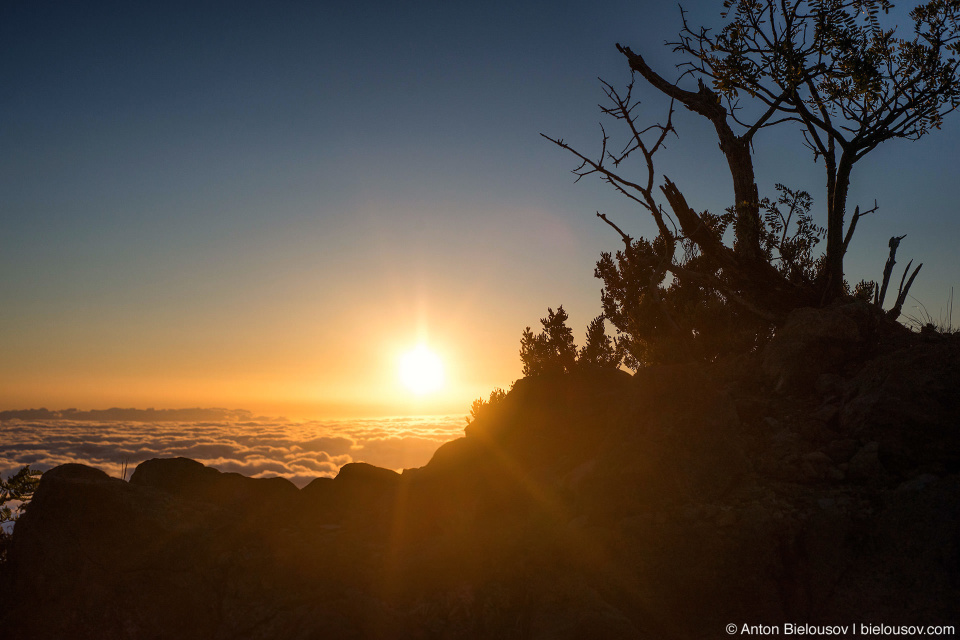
{"x":421,"y":370}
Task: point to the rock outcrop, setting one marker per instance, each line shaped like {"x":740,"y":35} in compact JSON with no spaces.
{"x":663,"y":505}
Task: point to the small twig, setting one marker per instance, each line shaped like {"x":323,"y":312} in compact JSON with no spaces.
{"x":626,"y":239}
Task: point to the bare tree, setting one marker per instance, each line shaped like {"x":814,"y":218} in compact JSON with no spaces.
{"x":831,"y":67}
{"x":827,"y":66}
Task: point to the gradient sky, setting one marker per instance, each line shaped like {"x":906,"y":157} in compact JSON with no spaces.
{"x":261,"y":205}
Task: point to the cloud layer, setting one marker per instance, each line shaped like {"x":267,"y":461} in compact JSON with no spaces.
{"x":300,"y":451}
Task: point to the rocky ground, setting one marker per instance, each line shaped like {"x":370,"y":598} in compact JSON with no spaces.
{"x":817,"y":482}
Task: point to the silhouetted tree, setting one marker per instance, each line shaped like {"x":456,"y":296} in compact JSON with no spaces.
{"x":18,"y":488}
{"x":829,"y":67}
{"x":551,"y":351}
{"x":599,"y":349}
{"x":481,"y":407}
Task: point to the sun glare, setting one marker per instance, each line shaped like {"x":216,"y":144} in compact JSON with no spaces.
{"x":421,"y":370}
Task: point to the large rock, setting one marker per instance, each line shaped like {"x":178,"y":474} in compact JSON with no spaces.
{"x":360,"y":492}
{"x":905,"y":569}
{"x":189,"y":479}
{"x":906,"y":401}
{"x":680,"y":440}
{"x":813,"y":342}
{"x":96,"y":557}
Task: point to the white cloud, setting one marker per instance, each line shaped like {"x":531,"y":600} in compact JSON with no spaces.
{"x":300,"y":451}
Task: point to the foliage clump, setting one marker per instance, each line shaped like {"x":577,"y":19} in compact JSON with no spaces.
{"x":481,"y":407}
{"x":18,"y":488}
{"x":599,"y":350}
{"x":662,"y":319}
{"x":550,"y":351}
{"x":553,"y":350}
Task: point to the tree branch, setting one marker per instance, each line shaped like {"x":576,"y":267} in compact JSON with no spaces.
{"x":894,"y":313}
{"x":853,"y":224}
{"x":888,"y":267}
{"x":626,"y":239}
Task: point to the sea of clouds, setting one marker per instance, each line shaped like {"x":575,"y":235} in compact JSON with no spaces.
{"x":300,"y":451}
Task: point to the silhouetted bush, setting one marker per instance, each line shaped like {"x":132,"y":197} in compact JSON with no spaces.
{"x":483,"y":408}
{"x":18,"y":488}
{"x":554,"y":351}
{"x":599,"y":350}
{"x":550,"y":351}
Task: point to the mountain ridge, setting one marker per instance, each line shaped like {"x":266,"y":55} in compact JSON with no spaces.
{"x":817,"y":482}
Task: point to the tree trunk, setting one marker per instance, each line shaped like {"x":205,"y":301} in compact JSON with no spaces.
{"x":836,"y":211}
{"x":746,"y":266}
{"x":746,"y":197}
{"x":737,"y":151}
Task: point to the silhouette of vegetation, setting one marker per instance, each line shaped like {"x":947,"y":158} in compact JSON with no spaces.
{"x":550,"y":351}
{"x":18,"y":488}
{"x":709,"y":283}
{"x":481,"y":407}
{"x":553,"y":350}
{"x":599,"y":350}
{"x":923,"y":321}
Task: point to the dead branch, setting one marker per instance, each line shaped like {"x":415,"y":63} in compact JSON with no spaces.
{"x":894,"y":313}
{"x":692,"y":224}
{"x":888,"y":267}
{"x":853,"y":223}
{"x":626,"y":239}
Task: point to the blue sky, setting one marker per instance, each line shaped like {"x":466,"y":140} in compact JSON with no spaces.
{"x":259,"y":204}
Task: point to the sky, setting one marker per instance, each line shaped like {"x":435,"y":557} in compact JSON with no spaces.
{"x":264,"y":205}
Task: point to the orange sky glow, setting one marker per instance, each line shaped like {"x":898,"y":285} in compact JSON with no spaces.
{"x":264,"y":206}
{"x":295,"y":370}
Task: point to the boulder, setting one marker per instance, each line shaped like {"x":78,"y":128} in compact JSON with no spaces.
{"x":362,"y":476}
{"x":813,"y":342}
{"x":906,"y":402}
{"x":94,"y":556}
{"x":190,"y":479}
{"x":679,"y":439}
{"x":360,"y":493}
